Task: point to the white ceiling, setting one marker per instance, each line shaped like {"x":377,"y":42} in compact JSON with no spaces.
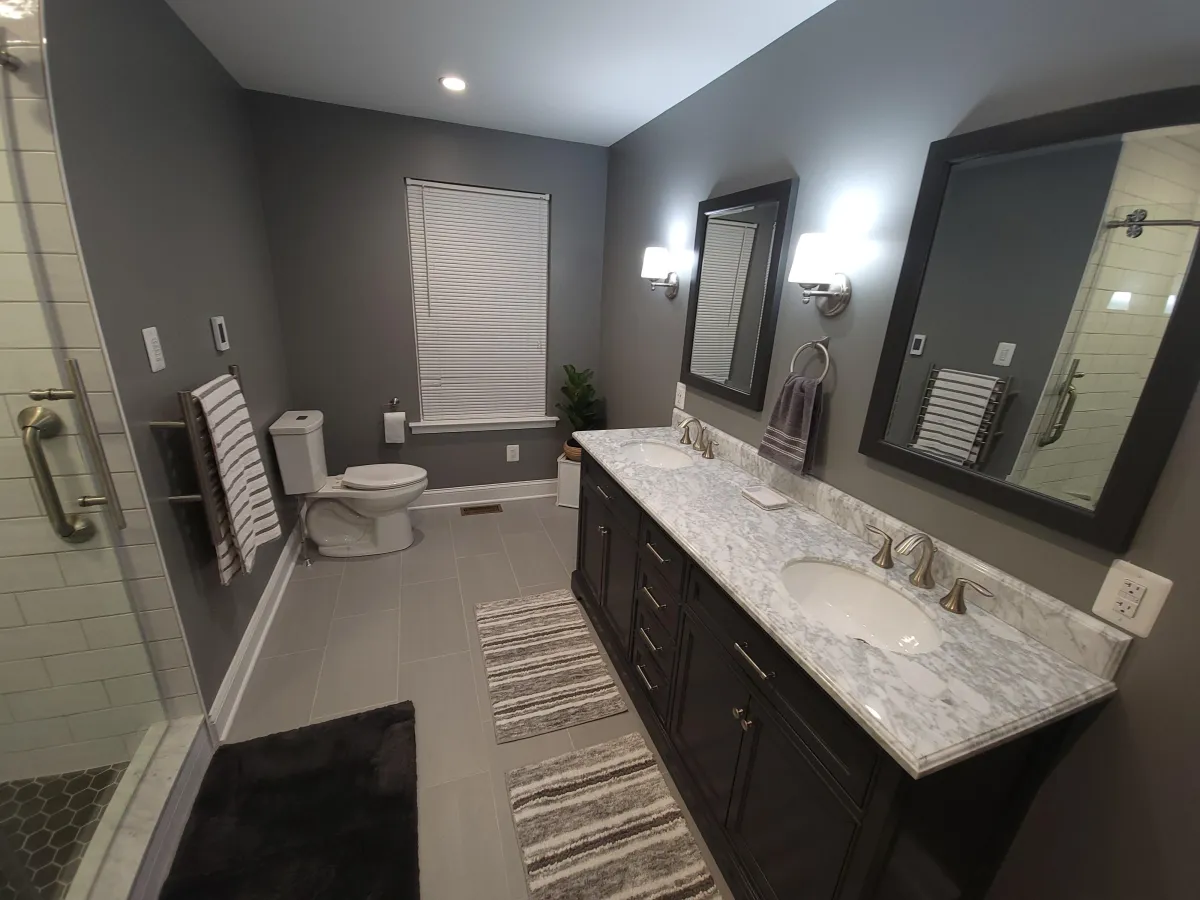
{"x":579,"y":70}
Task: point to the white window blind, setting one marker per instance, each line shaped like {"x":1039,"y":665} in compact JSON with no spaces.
{"x":724,"y":267}
{"x":480,"y":283}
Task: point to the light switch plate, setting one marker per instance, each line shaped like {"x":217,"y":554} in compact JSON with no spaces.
{"x":1131,"y":597}
{"x":154,"y":351}
{"x":220,"y":332}
{"x":680,"y":394}
{"x":513,"y":453}
{"x":917,"y":346}
{"x":1004,"y":354}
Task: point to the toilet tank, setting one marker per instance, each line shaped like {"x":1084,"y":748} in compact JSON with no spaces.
{"x":300,"y":449}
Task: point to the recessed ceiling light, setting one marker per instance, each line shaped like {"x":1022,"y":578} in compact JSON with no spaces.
{"x":453,"y":83}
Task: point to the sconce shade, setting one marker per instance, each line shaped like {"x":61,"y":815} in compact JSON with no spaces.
{"x":656,"y":264}
{"x":815,"y":261}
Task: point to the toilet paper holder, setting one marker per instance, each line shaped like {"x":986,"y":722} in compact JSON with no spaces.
{"x":394,"y":404}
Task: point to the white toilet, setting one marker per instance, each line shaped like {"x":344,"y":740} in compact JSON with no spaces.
{"x":361,"y":513}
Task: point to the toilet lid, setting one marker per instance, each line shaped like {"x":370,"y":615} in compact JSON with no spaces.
{"x":382,"y":476}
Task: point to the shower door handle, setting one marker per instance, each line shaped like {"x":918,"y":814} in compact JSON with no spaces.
{"x":1063,"y":408}
{"x":37,"y":424}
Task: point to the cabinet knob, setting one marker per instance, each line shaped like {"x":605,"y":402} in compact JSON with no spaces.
{"x":738,"y":712}
{"x":746,"y":723}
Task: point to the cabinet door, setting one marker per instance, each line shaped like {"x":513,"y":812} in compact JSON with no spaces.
{"x":709,"y":696}
{"x":593,"y":538}
{"x":790,"y":829}
{"x":620,"y":580}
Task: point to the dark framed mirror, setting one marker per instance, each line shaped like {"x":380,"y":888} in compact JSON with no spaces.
{"x":741,"y":245}
{"x":1042,"y":348}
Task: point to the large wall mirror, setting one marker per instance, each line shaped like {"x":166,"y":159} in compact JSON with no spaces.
{"x":740,"y":241}
{"x":1042,"y":350}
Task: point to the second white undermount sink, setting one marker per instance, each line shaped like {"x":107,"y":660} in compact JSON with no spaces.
{"x":857,"y":606}
{"x":656,"y":455}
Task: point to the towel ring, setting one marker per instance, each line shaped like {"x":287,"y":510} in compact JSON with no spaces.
{"x":823,"y":346}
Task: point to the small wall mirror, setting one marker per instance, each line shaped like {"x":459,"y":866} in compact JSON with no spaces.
{"x":741,"y":240}
{"x":1037,"y":351}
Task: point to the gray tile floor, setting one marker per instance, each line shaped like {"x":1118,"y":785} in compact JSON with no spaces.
{"x":362,"y":633}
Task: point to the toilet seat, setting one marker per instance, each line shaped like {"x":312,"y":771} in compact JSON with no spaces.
{"x":382,"y":476}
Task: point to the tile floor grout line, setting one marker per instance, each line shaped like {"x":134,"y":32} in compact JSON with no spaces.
{"x":325,"y":649}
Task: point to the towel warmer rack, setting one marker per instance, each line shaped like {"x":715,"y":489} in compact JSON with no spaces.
{"x":200,"y":443}
{"x":990,"y":426}
{"x":823,"y":346}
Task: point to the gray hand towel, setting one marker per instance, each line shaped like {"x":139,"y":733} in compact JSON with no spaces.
{"x":793,"y":427}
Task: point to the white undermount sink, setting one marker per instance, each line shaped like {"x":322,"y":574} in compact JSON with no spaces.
{"x":656,"y":455}
{"x":858,"y":606}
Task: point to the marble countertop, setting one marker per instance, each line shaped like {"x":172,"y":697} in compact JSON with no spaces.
{"x":985,"y":684}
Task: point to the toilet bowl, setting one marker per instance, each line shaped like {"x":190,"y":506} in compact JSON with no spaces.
{"x":365,"y":511}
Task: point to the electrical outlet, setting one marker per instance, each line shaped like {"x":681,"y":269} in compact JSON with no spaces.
{"x":154,"y":350}
{"x":1004,"y":354}
{"x":680,"y":394}
{"x":513,"y":453}
{"x":1131,"y":597}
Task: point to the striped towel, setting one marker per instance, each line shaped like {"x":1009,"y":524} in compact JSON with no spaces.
{"x":793,"y":425}
{"x":952,"y":426}
{"x":246,"y":516}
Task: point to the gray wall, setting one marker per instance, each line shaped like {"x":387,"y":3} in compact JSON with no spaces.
{"x":333,"y":188}
{"x":159,"y":163}
{"x":851,"y":100}
{"x":1007,"y":262}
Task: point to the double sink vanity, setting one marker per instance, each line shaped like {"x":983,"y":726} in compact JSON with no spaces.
{"x":833,"y":730}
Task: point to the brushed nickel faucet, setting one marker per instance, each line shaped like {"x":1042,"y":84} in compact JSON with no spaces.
{"x":883,"y":558}
{"x":687,"y":430}
{"x":922,"y":576}
{"x":954,"y":601}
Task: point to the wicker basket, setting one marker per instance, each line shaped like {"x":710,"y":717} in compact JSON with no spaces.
{"x":574,"y":454}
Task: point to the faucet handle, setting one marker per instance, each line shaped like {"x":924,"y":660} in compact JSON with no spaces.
{"x":883,"y":558}
{"x":708,"y":448}
{"x":954,"y":601}
{"x":687,"y":433}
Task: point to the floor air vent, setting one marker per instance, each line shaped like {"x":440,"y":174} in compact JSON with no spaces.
{"x":481,"y":510}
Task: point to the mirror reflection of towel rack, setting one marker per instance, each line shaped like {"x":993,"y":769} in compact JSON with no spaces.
{"x":192,"y":422}
{"x":823,"y":346}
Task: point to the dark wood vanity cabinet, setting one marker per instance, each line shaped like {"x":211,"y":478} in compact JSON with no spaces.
{"x":795,"y":800}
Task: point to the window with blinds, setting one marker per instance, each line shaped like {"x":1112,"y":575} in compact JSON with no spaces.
{"x":480,"y":284}
{"x":724,"y":267}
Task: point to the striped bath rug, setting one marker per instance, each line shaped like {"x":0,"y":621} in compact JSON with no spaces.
{"x":600,"y":823}
{"x":544,"y":672}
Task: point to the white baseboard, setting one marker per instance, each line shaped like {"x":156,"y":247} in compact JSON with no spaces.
{"x":486,"y":493}
{"x":233,"y":685}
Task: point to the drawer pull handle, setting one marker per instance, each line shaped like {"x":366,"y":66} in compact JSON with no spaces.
{"x":657,"y":555}
{"x":602,"y":493}
{"x":654,"y":648}
{"x":650,"y":596}
{"x":603,"y":529}
{"x":765,"y":676}
{"x":645,"y":680}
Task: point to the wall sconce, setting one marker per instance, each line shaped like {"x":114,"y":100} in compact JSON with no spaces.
{"x":815,"y":269}
{"x":658,"y":267}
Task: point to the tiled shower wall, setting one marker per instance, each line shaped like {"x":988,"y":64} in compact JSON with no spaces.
{"x":78,"y":686}
{"x":1116,"y":346}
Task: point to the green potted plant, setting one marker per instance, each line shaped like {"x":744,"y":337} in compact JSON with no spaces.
{"x":582,"y":407}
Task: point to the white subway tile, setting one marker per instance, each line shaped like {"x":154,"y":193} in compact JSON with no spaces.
{"x":31,"y":641}
{"x":94,"y":665}
{"x":16,"y":278}
{"x":51,"y":228}
{"x":30,"y":79}
{"x":30,"y":120}
{"x":24,"y":675}
{"x":138,"y":529}
{"x":70,"y":757}
{"x":34,"y":735}
{"x":92,"y":368}
{"x":5,"y":715}
{"x":131,"y":689}
{"x":90,"y":566}
{"x":108,"y":417}
{"x":22,"y":537}
{"x":129,"y":492}
{"x":176,"y":682}
{"x":142,"y":561}
{"x":64,"y":277}
{"x":76,"y":323}
{"x":12,"y":229}
{"x":23,"y":325}
{"x":7,"y":427}
{"x":179,"y":707}
{"x":63,"y":453}
{"x":17,"y":498}
{"x":71,"y":603}
{"x":160,"y":624}
{"x":149,"y":593}
{"x":10,"y":614}
{"x":58,"y":701}
{"x":30,"y":573}
{"x":115,"y":721}
{"x":21,"y":370}
{"x":168,"y":654}
{"x":43,"y":184}
{"x":111,"y":631}
{"x":117,"y":452}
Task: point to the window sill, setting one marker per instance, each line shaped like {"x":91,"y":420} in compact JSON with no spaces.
{"x":456,"y":425}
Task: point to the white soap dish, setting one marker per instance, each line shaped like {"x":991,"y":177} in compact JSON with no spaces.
{"x":761,"y":495}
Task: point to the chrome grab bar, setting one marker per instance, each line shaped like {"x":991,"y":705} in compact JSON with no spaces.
{"x":37,"y":423}
{"x":1063,"y":408}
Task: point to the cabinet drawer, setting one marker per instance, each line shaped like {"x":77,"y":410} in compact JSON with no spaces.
{"x":654,"y":639}
{"x":658,"y":598}
{"x":650,"y":678}
{"x":834,"y":738}
{"x":661,"y":553}
{"x":625,"y":512}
